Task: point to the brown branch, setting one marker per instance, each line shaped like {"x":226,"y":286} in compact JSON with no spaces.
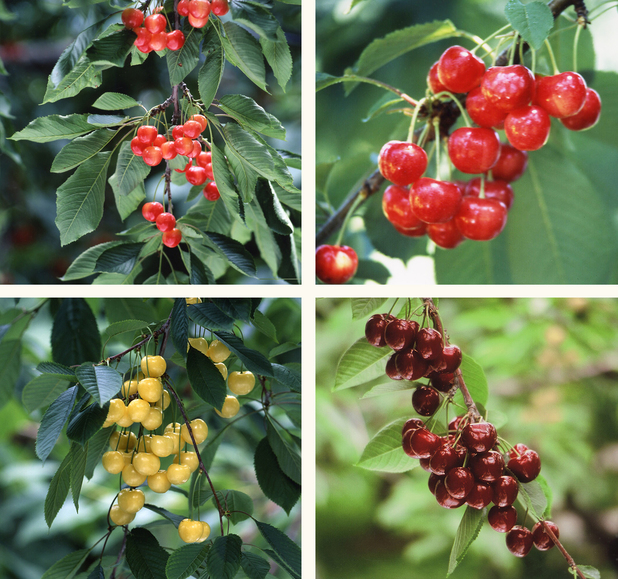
{"x":562,"y":550}
{"x":162,"y":330}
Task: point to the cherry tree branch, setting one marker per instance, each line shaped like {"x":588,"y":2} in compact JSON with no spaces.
{"x":562,"y":550}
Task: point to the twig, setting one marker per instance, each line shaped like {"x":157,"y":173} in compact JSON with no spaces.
{"x":162,"y":330}
{"x":562,"y":550}
{"x":120,"y":553}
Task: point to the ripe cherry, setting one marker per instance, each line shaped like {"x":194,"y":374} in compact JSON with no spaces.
{"x":445,"y":235}
{"x":132,"y":18}
{"x":178,"y":131}
{"x":481,"y":219}
{"x":426,"y":401}
{"x":433,"y":81}
{"x":172,"y":238}
{"x":474,"y":149}
{"x":482,"y":112}
{"x":502,"y":519}
{"x":192,"y":129}
{"x":138,"y":147}
{"x":429,"y":344}
{"x":508,"y":87}
{"x":527,"y":128}
{"x":517,"y":450}
{"x":175,"y":39}
{"x":211,"y":191}
{"x":414,"y":232}
{"x":433,"y":481}
{"x":201,"y":119}
{"x":480,"y":496}
{"x":519,"y":541}
{"x":397,"y":208}
{"x":400,"y":334}
{"x":155,"y":23}
{"x":505,"y":491}
{"x":410,"y":364}
{"x":447,"y":457}
{"x":561,"y":95}
{"x":511,"y":164}
{"x":442,"y":382}
{"x":152,"y":155}
{"x":445,"y":499}
{"x":542,"y":541}
{"x":487,"y":466}
{"x":158,"y":41}
{"x":496,"y":189}
{"x":159,"y":140}
{"x":391,"y":369}
{"x":147,"y":134}
{"x":219,"y":7}
{"x":374,"y":329}
{"x":197,"y":149}
{"x":402,"y":163}
{"x":411,"y":424}
{"x":199,"y":8}
{"x":184,"y":145}
{"x":142,"y":42}
{"x":459,"y":70}
{"x":479,"y":437}
{"x":196,"y":175}
{"x":525,"y":467}
{"x":197,"y":22}
{"x":335,"y":263}
{"x":434,"y":201}
{"x":588,"y":116}
{"x":183,"y":8}
{"x":204,"y":158}
{"x":152,"y":210}
{"x":459,"y":482}
{"x":424,"y":442}
{"x":168,"y":150}
{"x":165,"y":222}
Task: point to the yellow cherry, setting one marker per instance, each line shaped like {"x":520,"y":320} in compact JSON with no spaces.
{"x":146,"y":463}
{"x":138,"y":409}
{"x":190,"y":531}
{"x":131,"y":477}
{"x":120,"y":517}
{"x":230,"y":408}
{"x":116,"y":410}
{"x":241,"y":383}
{"x":178,"y":473}
{"x":113,"y":461}
{"x":158,"y":482}
{"x":200,"y":344}
{"x":150,"y":389}
{"x":200,"y":431}
{"x":154,"y":419}
{"x":153,"y":366}
{"x":218,"y":351}
{"x":131,"y":500}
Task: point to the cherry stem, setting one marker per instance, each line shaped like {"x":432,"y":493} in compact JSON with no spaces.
{"x":120,"y":553}
{"x":552,"y":58}
{"x":575,"y":43}
{"x":562,"y":550}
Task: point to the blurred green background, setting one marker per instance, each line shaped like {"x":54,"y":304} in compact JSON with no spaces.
{"x":552,"y":369}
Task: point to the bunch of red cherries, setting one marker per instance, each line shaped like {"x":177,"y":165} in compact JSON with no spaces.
{"x":466,"y":465}
{"x":511,"y":98}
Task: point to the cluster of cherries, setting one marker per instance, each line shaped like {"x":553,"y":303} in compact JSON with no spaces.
{"x":511,"y":98}
{"x":152,"y":36}
{"x":466,"y":466}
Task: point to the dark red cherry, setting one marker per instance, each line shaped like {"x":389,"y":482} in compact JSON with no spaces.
{"x":459,"y":70}
{"x":517,"y":450}
{"x":391,"y":369}
{"x":411,"y":364}
{"x":374,"y":329}
{"x":511,"y":164}
{"x":525,"y":467}
{"x":480,"y":496}
{"x":400,"y":334}
{"x":519,"y":541}
{"x":442,"y":382}
{"x":429,"y":343}
{"x":451,"y":358}
{"x":459,"y":482}
{"x":412,"y":424}
{"x":406,"y":443}
{"x":502,"y":519}
{"x":505,"y":491}
{"x":487,"y":466}
{"x":455,"y":423}
{"x":433,"y":481}
{"x":398,"y":210}
{"x":479,"y":437}
{"x":473,"y":149}
{"x":446,"y":458}
{"x":508,"y":87}
{"x":542,"y":541}
{"x":424,"y":443}
{"x":426,"y":400}
{"x":445,"y":499}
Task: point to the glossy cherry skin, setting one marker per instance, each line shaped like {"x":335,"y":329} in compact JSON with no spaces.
{"x":199,"y":9}
{"x":502,"y":519}
{"x":411,"y":424}
{"x":165,"y":222}
{"x":434,"y":201}
{"x":561,"y":95}
{"x":479,"y":436}
{"x":211,"y":191}
{"x":424,"y":442}
{"x":519,"y":541}
{"x":588,"y":116}
{"x":374,"y":329}
{"x":481,"y":219}
{"x":446,"y":458}
{"x":433,"y":481}
{"x":482,"y":112}
{"x":459,"y":482}
{"x":445,"y":235}
{"x":527,"y":128}
{"x":415,"y":232}
{"x":402,"y":163}
{"x":508,"y":87}
{"x":158,"y":41}
{"x":542,"y":541}
{"x":196,"y":175}
{"x":335,"y":263}
{"x":406,"y":442}
{"x":426,"y":401}
{"x":219,"y":7}
{"x":459,"y":70}
{"x":147,"y":134}
{"x":474,"y":149}
{"x":155,"y":23}
{"x":400,"y":334}
{"x":172,"y":238}
{"x":454,"y":424}
{"x":517,"y":450}
{"x":480,"y":496}
{"x":397,"y":208}
{"x":511,"y":164}
{"x":410,"y":364}
{"x":152,"y":210}
{"x":450,"y":359}
{"x":445,"y":499}
{"x":433,"y":82}
{"x":183,"y":8}
{"x":429,"y":344}
{"x":132,"y":18}
{"x":505,"y":491}
{"x":391,"y":369}
{"x":487,"y":466}
{"x":497,"y":189}
{"x":525,"y":467}
{"x":442,"y":382}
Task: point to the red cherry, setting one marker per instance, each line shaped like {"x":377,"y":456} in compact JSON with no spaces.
{"x":480,"y":496}
{"x":196,"y":175}
{"x":183,"y":8}
{"x":446,"y":458}
{"x":424,"y":442}
{"x":527,"y":128}
{"x":502,"y":519}
{"x":142,"y":42}
{"x":481,"y":219}
{"x":152,"y":210}
{"x":445,"y":235}
{"x":445,"y":499}
{"x":487,"y":466}
{"x":451,"y":358}
{"x":201,"y":119}
{"x":479,"y":437}
{"x":159,"y":140}
{"x":412,"y":424}
{"x":542,"y":541}
{"x":132,"y":18}
{"x":433,"y":481}
{"x":588,"y":116}
{"x":406,"y":442}
{"x":402,"y":163}
{"x":482,"y":112}
{"x":435,"y":201}
{"x":178,"y":131}
{"x":508,"y":87}
{"x":391,"y":369}
{"x":219,"y":7}
{"x":497,"y":189}
{"x":211,"y":191}
{"x":429,"y":344}
{"x":187,"y":166}
{"x":426,"y":400}
{"x":561,"y":95}
{"x":199,"y":9}
{"x":197,"y":149}
{"x":442,"y":382}
{"x":505,"y":491}
{"x":165,"y":222}
{"x":197,"y":22}
{"x":184,"y":145}
{"x":204,"y":158}
{"x":433,"y":81}
{"x":397,"y":209}
{"x":519,"y":541}
{"x":152,"y":155}
{"x":400,"y":334}
{"x":155,"y":23}
{"x":147,"y":134}
{"x":414,"y":232}
{"x":175,"y":39}
{"x":137,"y":147}
{"x":209,"y":172}
{"x":517,"y":450}
{"x":525,"y":467}
{"x":335,"y":263}
{"x":410,"y":364}
{"x":192,"y":129}
{"x":459,"y":482}
{"x":158,"y":41}
{"x":168,"y":150}
{"x":510,"y":165}
{"x":172,"y":238}
{"x":459,"y":70}
{"x":474,"y":149}
{"x":374,"y":329}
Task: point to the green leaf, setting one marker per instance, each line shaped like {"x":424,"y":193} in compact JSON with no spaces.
{"x":10,"y":367}
{"x":119,"y":309}
{"x":361,"y":363}
{"x":467,"y":532}
{"x":75,"y":335}
{"x":68,"y":566}
{"x":58,"y":491}
{"x":247,"y":112}
{"x":130,"y":171}
{"x":173,"y":518}
{"x":249,"y":150}
{"x":80,"y":199}
{"x":287,"y":455}
{"x":362,"y":307}
{"x":234,"y":502}
{"x":44,"y":389}
{"x":205,"y":378}
{"x":223,"y":559}
{"x":275,"y":484}
{"x":119,"y":259}
{"x":53,"y":422}
{"x":113,"y":101}
{"x":224,"y":179}
{"x":535,"y":496}
{"x":78,"y":455}
{"x":244,"y":52}
{"x":289,"y":270}
{"x":146,"y":558}
{"x":235,"y":308}
{"x":254,"y":566}
{"x":5,"y":15}
{"x":81,"y":149}
{"x":83,"y":75}
{"x":53,"y":128}
{"x":86,"y":423}
{"x":97,"y":573}
{"x":287,"y":377}
{"x":112,"y":49}
{"x":209,"y":316}
{"x":589,"y":571}
{"x":475,"y":380}
{"x":183,"y":562}
{"x":127,"y":204}
{"x":211,"y":73}
{"x":264,"y":236}
{"x":255,"y":17}
{"x":287,"y":549}
{"x":101,"y":382}
{"x":384,"y":452}
{"x":181,"y":62}
{"x":276,"y":217}
{"x":264,"y":325}
{"x":279,"y":57}
{"x":533,"y":21}
{"x":179,"y":326}
{"x":84,"y":264}
{"x":97,"y":445}
{"x":245,"y":174}
{"x":123,"y":327}
{"x":239,"y":258}
{"x":389,"y":387}
{"x":252,"y":359}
